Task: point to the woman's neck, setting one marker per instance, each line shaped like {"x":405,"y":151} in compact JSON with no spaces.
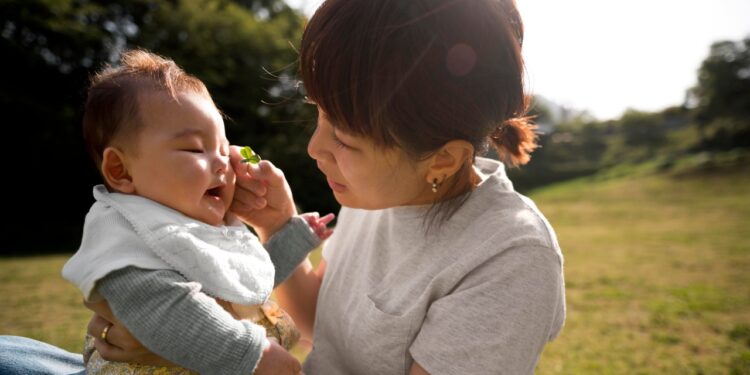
{"x":464,"y":181}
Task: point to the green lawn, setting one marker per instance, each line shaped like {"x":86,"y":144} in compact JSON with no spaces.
{"x":657,"y":270}
{"x":658,"y":275}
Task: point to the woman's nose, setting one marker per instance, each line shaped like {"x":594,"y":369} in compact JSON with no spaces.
{"x":313,"y":146}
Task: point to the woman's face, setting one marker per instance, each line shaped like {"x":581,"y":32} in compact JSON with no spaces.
{"x":363,"y":175}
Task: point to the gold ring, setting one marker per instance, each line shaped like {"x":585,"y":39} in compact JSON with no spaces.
{"x":105,"y":331}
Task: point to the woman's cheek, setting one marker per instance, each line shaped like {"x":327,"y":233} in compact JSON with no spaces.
{"x":347,"y":168}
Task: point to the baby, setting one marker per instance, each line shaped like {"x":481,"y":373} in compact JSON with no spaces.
{"x":158,"y":244}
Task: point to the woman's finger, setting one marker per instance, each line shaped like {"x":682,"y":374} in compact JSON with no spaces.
{"x":96,"y":326}
{"x":107,"y":350}
{"x":116,"y":335}
{"x":248,"y":172}
{"x":252,"y":185}
{"x":247,"y":204}
{"x":267,"y":172}
{"x":101,"y":309}
{"x":235,"y":158}
{"x":120,"y":337}
{"x":249,"y":191}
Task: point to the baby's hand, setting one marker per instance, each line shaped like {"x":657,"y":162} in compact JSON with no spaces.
{"x":262,"y":197}
{"x":319,"y":224}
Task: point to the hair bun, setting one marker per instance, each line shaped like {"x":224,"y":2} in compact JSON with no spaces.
{"x":514,"y":140}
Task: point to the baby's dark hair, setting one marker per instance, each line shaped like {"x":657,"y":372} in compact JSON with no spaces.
{"x":419,"y":73}
{"x":111,"y":110}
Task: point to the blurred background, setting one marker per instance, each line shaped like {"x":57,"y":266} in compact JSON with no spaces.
{"x":644,"y":170}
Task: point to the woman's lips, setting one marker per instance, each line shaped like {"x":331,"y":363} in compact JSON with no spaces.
{"x":335,"y":186}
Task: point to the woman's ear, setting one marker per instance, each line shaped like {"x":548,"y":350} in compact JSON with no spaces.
{"x":448,"y":160}
{"x":115,"y":171}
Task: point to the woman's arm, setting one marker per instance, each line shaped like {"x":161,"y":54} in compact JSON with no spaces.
{"x":298,"y":295}
{"x":416,"y":369}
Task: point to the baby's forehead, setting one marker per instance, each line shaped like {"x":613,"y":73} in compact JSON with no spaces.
{"x":155,"y":95}
{"x":186,"y":113}
{"x":179,"y":101}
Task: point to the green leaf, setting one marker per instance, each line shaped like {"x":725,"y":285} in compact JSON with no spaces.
{"x":249,"y":155}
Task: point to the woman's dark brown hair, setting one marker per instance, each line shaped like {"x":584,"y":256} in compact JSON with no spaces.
{"x":419,"y":73}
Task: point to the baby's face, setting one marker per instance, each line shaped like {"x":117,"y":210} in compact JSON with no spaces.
{"x":181,"y":156}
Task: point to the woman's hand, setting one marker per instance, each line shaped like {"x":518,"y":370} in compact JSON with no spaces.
{"x":262,"y":197}
{"x":119,"y":345}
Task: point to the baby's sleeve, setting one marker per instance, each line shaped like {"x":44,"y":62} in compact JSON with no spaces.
{"x":289,"y":246}
{"x":172,"y":318}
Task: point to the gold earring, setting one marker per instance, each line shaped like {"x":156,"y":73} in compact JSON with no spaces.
{"x":434,"y":185}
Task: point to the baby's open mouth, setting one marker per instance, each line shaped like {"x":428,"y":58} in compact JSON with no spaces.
{"x":215,"y":192}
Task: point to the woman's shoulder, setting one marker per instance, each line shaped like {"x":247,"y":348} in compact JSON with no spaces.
{"x":495,"y":210}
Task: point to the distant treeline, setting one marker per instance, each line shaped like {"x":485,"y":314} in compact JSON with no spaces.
{"x":245,"y":52}
{"x":714,"y":122}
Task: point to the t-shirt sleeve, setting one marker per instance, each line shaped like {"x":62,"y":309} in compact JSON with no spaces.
{"x":289,"y":246}
{"x":498,"y":318}
{"x":172,"y":317}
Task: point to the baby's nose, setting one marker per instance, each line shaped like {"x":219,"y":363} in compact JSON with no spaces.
{"x":220,"y":164}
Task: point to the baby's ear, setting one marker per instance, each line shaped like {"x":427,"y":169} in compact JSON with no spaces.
{"x":115,"y":171}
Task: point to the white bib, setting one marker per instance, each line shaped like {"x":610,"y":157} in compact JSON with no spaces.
{"x":124,"y":230}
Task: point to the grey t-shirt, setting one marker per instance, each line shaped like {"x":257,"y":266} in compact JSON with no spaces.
{"x":481,"y":294}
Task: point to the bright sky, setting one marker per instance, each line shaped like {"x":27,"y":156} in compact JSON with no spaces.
{"x":607,"y":56}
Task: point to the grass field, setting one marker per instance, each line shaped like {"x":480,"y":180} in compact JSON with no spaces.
{"x":657,"y":270}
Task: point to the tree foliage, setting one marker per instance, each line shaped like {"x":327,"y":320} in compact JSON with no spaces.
{"x":722,"y":96}
{"x":243,"y":50}
{"x":723,"y":88}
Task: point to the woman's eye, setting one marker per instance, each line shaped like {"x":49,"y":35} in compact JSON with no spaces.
{"x":338,"y":142}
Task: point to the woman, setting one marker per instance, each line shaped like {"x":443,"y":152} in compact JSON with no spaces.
{"x":436,"y":264}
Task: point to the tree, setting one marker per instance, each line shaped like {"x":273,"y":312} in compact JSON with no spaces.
{"x":722,"y":96}
{"x":48,"y":49}
{"x":644,"y":131}
{"x":243,"y":50}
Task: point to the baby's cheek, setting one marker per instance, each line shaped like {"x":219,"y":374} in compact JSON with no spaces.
{"x":231,"y":176}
